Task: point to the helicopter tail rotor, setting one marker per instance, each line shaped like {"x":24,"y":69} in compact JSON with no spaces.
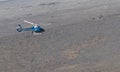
{"x":20,"y":28}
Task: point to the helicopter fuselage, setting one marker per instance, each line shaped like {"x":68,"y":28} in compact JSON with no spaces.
{"x":33,"y":29}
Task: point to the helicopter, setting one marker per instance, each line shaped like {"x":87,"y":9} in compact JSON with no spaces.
{"x":35,"y":29}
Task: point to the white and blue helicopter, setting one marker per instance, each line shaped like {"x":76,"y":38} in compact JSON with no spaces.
{"x":36,"y":29}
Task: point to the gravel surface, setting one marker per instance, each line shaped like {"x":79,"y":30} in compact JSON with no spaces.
{"x":76,"y":40}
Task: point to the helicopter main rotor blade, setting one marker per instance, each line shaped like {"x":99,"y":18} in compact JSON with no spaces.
{"x":43,"y":24}
{"x":29,"y":22}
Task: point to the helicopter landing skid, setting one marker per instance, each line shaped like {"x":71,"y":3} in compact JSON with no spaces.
{"x":34,"y":33}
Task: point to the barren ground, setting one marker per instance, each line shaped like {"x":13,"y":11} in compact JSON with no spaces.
{"x":81,"y":39}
